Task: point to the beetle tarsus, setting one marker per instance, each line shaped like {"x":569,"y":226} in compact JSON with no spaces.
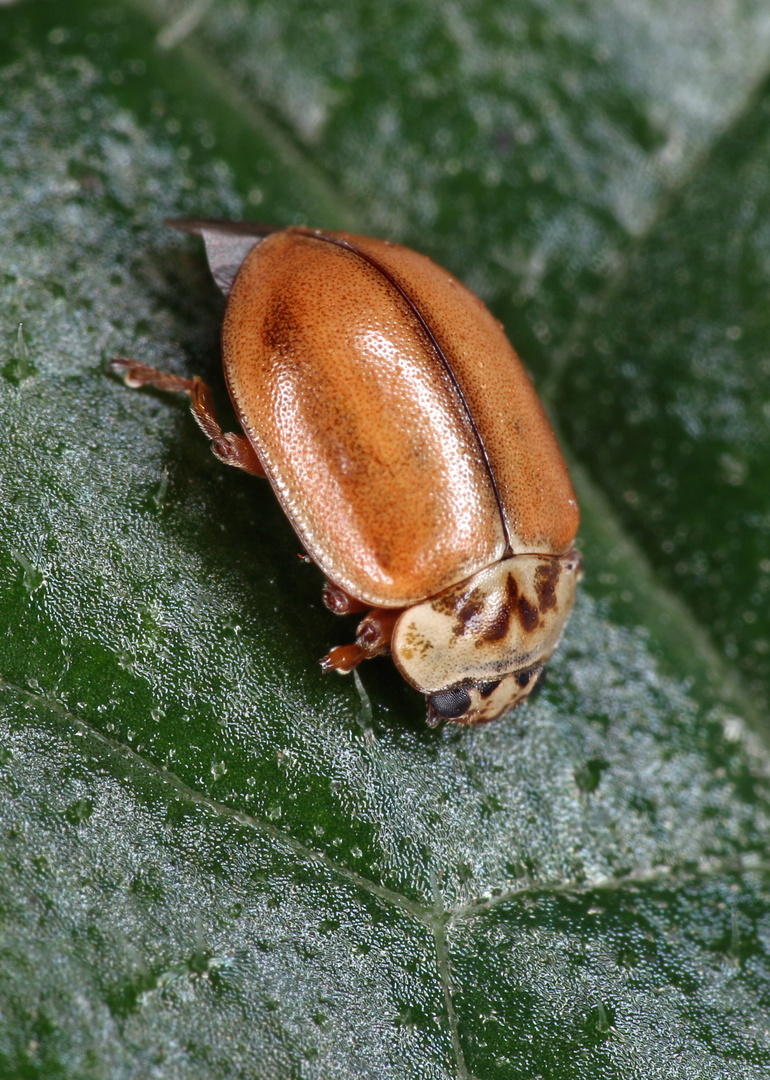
{"x":343,"y":659}
{"x":136,"y":374}
{"x":229,"y":448}
{"x":373,"y":638}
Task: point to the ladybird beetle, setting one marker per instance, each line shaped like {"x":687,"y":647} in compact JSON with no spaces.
{"x":408,"y":448}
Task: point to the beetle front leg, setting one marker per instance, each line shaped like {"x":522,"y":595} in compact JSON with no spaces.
{"x":231,"y":449}
{"x":372,"y":639}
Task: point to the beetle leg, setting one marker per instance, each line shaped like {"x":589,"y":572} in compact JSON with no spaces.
{"x":342,"y":659}
{"x":375,"y":631}
{"x":372,"y":639}
{"x":231,"y":449}
{"x":340,"y":602}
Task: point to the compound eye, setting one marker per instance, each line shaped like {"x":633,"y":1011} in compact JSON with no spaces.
{"x":450,"y":703}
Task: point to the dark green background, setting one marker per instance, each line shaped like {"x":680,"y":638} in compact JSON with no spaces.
{"x":213,"y":861}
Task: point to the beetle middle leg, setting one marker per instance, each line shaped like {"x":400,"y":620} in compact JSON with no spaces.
{"x":341,"y":602}
{"x":372,"y":639}
{"x":231,"y":449}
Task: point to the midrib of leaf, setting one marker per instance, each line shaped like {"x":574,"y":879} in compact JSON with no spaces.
{"x":445,"y":974}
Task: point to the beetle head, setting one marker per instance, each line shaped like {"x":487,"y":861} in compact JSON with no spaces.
{"x":478,"y":649}
{"x":478,"y":703}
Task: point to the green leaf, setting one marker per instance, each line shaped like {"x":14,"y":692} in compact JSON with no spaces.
{"x":215,"y":862}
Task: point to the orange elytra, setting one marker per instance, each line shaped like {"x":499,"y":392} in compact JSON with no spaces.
{"x":409,"y":450}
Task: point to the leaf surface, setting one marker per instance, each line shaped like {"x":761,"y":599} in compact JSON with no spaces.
{"x":217,"y":863}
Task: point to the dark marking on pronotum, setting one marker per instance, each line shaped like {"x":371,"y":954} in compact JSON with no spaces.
{"x":546,"y":578}
{"x":470,"y":610}
{"x":487,"y":688}
{"x":528,"y":614}
{"x":466,"y":608}
{"x":500,"y":623}
{"x":498,"y":627}
{"x":445,"y":604}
